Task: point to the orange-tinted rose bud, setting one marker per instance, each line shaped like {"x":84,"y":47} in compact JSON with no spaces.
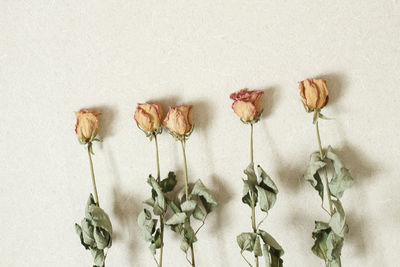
{"x":314,"y":93}
{"x":149,"y":116}
{"x":87,"y":125}
{"x":179,"y":120}
{"x":247,"y":104}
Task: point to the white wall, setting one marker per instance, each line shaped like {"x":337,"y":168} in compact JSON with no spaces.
{"x":59,"y":56}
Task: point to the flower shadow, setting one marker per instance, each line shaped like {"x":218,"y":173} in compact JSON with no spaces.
{"x":271,"y":97}
{"x":336,"y":84}
{"x":106,"y":119}
{"x":126,"y":209}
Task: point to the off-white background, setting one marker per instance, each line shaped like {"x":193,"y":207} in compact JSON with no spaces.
{"x":59,"y":56}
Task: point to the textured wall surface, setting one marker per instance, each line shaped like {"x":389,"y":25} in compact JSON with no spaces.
{"x":59,"y":56}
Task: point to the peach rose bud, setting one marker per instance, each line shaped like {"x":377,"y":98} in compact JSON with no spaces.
{"x":149,"y":116}
{"x":87,"y":125}
{"x":179,"y":120}
{"x":314,"y":93}
{"x":247,"y":104}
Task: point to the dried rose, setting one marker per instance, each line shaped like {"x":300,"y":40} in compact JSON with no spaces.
{"x":179,"y":120}
{"x":314,"y":93}
{"x":247,"y":104}
{"x":87,"y":125}
{"x":149,"y":116}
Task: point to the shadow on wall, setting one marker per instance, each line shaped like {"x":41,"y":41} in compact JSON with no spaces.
{"x":289,"y":172}
{"x":362,"y":171}
{"x":106,"y":120}
{"x":126,"y":209}
{"x":336,"y":82}
{"x":221,"y":192}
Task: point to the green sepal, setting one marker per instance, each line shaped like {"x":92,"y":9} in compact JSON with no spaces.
{"x":255,"y":120}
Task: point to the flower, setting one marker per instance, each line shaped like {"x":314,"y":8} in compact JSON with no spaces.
{"x":314,"y":93}
{"x":179,"y":120}
{"x":149,"y":116}
{"x":87,"y":125}
{"x":247,"y":104}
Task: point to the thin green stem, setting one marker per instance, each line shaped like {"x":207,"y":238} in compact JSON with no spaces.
{"x":325,"y":171}
{"x":251,"y":145}
{"x":96,"y":196}
{"x":160,"y":262}
{"x":253,"y":210}
{"x":186,"y":170}
{"x":157,"y":157}
{"x":183,"y":142}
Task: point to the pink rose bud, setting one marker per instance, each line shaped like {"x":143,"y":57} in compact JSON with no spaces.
{"x":149,"y":116}
{"x":247,"y":104}
{"x":87,"y":125}
{"x":179,"y":120}
{"x":314,"y":93}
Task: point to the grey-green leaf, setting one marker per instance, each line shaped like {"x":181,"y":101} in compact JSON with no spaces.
{"x":270,"y":241}
{"x":246,"y":196}
{"x":334,"y":244}
{"x":206,"y":198}
{"x":147,"y":224}
{"x":312,"y":175}
{"x":184,"y":246}
{"x":246,"y":241}
{"x":101,"y":238}
{"x":98,"y":256}
{"x":160,"y":203}
{"x":266,"y":256}
{"x":99,"y":218}
{"x":173,"y":206}
{"x":177,"y":218}
{"x":251,"y":176}
{"x":168,"y":184}
{"x":338,"y":220}
{"x":266,"y":198}
{"x":188,"y":233}
{"x":266,"y":180}
{"x":342,"y":179}
{"x":189,"y":206}
{"x":257,"y":247}
{"x":198,"y":214}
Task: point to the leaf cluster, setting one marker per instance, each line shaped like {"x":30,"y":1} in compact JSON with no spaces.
{"x":95,"y":231}
{"x":329,"y":236}
{"x":260,"y":188}
{"x":149,"y":224}
{"x":198,"y":205}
